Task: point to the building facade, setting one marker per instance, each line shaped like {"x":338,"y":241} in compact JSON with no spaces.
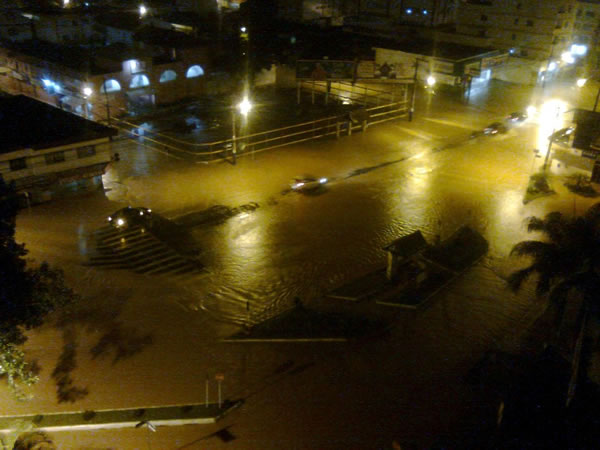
{"x":60,"y":154}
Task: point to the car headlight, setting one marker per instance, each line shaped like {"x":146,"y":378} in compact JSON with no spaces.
{"x":323,"y":180}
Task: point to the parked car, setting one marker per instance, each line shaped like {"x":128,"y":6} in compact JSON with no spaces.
{"x":517,"y":117}
{"x":128,"y":216}
{"x":307,"y":183}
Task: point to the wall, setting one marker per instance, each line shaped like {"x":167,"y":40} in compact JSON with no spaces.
{"x":517,"y":70}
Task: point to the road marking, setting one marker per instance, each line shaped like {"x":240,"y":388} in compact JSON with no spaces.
{"x":449,"y":123}
{"x":419,"y":134}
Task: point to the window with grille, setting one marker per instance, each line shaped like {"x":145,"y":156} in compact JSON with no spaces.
{"x":54,"y":158}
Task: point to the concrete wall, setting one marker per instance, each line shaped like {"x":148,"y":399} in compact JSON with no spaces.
{"x":517,"y":70}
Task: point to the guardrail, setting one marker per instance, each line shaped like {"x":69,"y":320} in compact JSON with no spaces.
{"x":266,"y":140}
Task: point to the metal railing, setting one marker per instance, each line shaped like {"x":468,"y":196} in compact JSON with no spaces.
{"x":266,"y":140}
{"x":361,"y":93}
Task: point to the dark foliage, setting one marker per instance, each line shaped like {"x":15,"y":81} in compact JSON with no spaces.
{"x":27,"y":293}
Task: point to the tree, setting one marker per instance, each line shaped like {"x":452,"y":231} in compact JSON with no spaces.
{"x":28,"y":293}
{"x":566,"y":263}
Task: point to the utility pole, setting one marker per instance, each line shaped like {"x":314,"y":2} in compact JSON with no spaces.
{"x":414,"y":91}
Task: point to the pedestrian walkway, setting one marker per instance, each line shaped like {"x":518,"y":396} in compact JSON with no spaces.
{"x":139,"y":249}
{"x":195,"y":413}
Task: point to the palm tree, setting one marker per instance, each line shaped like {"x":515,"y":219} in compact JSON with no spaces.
{"x":566,"y":263}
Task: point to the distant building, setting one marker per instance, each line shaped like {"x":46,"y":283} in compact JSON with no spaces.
{"x":378,"y":16}
{"x":541,"y":35}
{"x":123,"y":63}
{"x":47,"y":152}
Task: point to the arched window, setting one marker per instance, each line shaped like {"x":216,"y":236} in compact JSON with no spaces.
{"x":111,"y":85}
{"x":139,"y":81}
{"x":167,"y":75}
{"x":194,"y":71}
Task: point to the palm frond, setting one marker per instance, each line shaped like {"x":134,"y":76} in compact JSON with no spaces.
{"x":544,"y":283}
{"x":534,"y":224}
{"x":593,"y":213}
{"x":516,"y":279}
{"x":532,"y":248}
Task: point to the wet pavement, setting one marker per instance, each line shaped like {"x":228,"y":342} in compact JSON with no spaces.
{"x":156,"y":338}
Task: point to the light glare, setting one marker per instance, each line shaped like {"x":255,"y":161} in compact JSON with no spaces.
{"x":245,"y":106}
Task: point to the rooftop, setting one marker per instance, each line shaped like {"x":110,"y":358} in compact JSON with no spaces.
{"x":407,"y":246}
{"x":78,"y":59}
{"x":444,"y":50}
{"x":53,"y":126}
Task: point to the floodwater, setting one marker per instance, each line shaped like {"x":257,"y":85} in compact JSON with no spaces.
{"x":273,"y":245}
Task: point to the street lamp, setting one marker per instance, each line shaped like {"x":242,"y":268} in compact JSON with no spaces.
{"x":244,"y":108}
{"x":143,"y":10}
{"x":581,"y":82}
{"x":431,"y":81}
{"x":550,"y":115}
{"x":87,"y":92}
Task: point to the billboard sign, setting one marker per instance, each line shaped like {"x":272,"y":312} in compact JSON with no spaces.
{"x":325,"y":69}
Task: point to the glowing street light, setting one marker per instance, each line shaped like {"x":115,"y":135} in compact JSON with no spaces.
{"x":579,"y":49}
{"x":581,"y":82}
{"x":431,"y":81}
{"x":243,"y":29}
{"x":552,"y":66}
{"x":567,"y":58}
{"x":549,"y":122}
{"x":245,"y":106}
{"x":87,"y":91}
{"x":143,"y":10}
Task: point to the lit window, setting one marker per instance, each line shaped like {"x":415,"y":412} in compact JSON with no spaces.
{"x":167,"y":75}
{"x":194,"y":71}
{"x":111,"y":85}
{"x":139,"y":81}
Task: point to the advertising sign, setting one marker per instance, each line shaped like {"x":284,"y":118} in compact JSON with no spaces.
{"x":493,"y":61}
{"x":325,"y":70}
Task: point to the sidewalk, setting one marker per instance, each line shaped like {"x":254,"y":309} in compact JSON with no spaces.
{"x":123,"y":418}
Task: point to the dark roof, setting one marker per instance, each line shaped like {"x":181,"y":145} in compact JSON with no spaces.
{"x":160,"y":36}
{"x":122,"y":20}
{"x":76,"y":58}
{"x":408,"y":245}
{"x":28,"y":123}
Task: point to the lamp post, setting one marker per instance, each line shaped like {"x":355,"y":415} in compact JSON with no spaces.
{"x":244,"y":108}
{"x":87,"y":92}
{"x":107,"y":103}
{"x":551,"y":139}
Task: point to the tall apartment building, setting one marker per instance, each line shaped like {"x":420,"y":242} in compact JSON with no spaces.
{"x":380,"y":16}
{"x":533,"y":29}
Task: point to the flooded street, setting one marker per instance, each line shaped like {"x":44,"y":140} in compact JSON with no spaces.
{"x":407,"y":386}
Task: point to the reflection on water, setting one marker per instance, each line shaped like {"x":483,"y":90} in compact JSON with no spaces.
{"x":307,"y":245}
